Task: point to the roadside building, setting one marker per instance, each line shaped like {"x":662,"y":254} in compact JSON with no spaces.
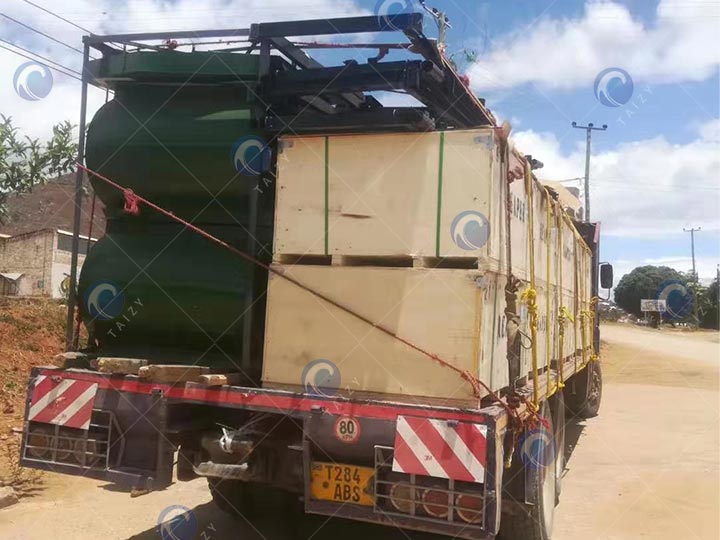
{"x":36,"y":238}
{"x":38,"y":263}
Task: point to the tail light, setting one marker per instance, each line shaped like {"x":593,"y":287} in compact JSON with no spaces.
{"x":401,"y":497}
{"x":436,"y":503}
{"x":38,"y":443}
{"x":469,"y":508}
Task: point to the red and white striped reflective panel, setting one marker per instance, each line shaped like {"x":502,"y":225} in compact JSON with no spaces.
{"x":435,"y":448}
{"x":65,"y":402}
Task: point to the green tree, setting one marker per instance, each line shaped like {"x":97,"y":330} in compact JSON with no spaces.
{"x":642,"y":283}
{"x":26,"y":162}
{"x":710,"y":316}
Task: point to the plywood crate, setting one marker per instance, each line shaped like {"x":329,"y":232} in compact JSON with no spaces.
{"x":448,"y":312}
{"x":381,"y":196}
{"x":386,"y":194}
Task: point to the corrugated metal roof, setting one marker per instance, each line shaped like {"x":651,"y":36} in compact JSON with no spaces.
{"x":12,"y":276}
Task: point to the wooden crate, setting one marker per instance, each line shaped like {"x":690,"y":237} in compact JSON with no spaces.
{"x":448,"y":312}
{"x":386,"y":194}
{"x":364,"y":219}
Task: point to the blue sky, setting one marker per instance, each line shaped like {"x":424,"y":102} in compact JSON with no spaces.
{"x":654,"y":171}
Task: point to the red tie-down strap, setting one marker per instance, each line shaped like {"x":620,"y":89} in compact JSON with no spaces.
{"x":131,"y":202}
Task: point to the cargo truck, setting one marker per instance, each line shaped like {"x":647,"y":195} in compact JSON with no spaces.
{"x":377,"y":310}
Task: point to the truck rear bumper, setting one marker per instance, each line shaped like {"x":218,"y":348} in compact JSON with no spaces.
{"x":133,"y":435}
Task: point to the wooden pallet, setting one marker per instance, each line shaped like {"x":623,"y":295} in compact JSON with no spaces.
{"x":380,"y":261}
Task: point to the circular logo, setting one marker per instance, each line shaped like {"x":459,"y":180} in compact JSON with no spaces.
{"x":32,"y":81}
{"x":177,"y":523}
{"x":613,"y":87}
{"x":470,"y":230}
{"x":104,"y":300}
{"x":679,"y":300}
{"x":387,"y":10}
{"x":251,"y":155}
{"x":347,"y":429}
{"x":537,"y":448}
{"x":321,"y":378}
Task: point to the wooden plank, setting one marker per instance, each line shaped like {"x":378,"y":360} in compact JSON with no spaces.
{"x":172,"y":373}
{"x":217,"y":379}
{"x":127,"y":366}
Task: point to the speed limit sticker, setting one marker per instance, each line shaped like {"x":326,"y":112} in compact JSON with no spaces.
{"x":347,"y":429}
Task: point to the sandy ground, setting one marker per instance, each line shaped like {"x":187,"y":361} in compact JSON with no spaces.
{"x":647,"y":467}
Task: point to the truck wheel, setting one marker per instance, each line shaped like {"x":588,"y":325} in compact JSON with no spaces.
{"x":584,"y":394}
{"x":557,"y":406}
{"x":248,"y":499}
{"x":231,"y":496}
{"x":522,"y":521}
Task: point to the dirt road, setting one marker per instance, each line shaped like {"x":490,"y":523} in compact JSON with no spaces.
{"x":647,"y":467}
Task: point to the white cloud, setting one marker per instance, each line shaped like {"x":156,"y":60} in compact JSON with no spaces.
{"x":567,"y":53}
{"x":110,"y":17}
{"x":645,"y":188}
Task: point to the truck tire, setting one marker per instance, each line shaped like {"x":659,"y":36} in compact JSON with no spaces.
{"x":231,"y":496}
{"x":248,"y":499}
{"x":557,"y":406}
{"x":583,"y":393}
{"x":520,"y":521}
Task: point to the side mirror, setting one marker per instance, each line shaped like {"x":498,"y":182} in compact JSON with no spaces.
{"x":606,"y":276}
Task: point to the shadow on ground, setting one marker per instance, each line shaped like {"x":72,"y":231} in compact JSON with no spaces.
{"x":277,"y":523}
{"x":284,"y":522}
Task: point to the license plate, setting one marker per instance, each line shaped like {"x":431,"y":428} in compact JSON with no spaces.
{"x":342,"y":483}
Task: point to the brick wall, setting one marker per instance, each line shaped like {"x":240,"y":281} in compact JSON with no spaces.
{"x":36,"y":255}
{"x":32,"y":255}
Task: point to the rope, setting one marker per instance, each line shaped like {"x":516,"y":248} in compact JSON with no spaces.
{"x":133,"y":200}
{"x":548,"y":239}
{"x":530,"y":294}
{"x":562,"y":311}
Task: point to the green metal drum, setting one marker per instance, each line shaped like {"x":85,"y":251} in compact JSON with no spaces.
{"x":168,"y":135}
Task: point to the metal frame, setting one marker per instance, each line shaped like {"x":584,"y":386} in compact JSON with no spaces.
{"x":319,"y":99}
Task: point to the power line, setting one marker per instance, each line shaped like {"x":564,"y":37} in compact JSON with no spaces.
{"x":58,"y":16}
{"x":40,"y":56}
{"x":41,"y":33}
{"x":41,"y":63}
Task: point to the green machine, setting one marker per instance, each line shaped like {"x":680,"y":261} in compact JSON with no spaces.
{"x":151,"y":288}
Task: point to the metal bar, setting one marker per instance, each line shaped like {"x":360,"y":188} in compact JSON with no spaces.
{"x":405,"y":22}
{"x":297,"y":55}
{"x":70,"y":339}
{"x":381,"y":118}
{"x":151,"y":36}
{"x":339,"y":79}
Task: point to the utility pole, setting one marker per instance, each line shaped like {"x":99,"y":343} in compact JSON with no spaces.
{"x":692,"y":232}
{"x":588,"y":129}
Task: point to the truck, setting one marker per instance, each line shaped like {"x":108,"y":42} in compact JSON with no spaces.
{"x":378,"y":311}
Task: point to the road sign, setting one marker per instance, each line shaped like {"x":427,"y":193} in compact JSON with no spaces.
{"x":653,"y":305}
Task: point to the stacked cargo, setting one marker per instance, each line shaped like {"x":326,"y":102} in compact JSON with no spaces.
{"x":408,"y":230}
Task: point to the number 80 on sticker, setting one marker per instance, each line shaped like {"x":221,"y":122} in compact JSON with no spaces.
{"x":347,"y":429}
